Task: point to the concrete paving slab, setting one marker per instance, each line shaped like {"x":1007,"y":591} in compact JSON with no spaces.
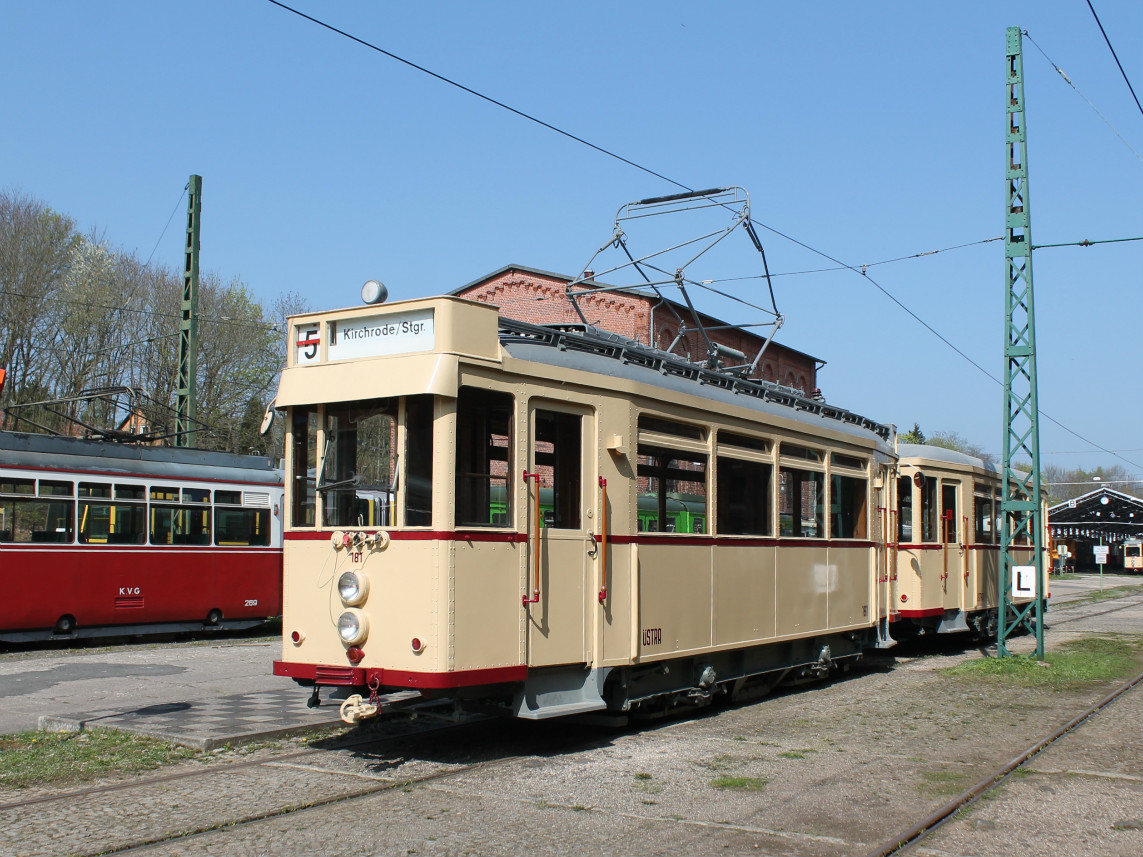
{"x":206,"y":724}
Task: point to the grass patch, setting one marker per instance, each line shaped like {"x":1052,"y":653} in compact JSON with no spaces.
{"x":941,"y":783}
{"x":65,"y":758}
{"x":1076,"y":663}
{"x":796,"y":754}
{"x":721,"y":762}
{"x":1105,"y":595}
{"x":741,"y":784}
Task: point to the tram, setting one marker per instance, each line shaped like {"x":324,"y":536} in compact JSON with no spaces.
{"x":1133,"y":555}
{"x":947,"y":553}
{"x":577,"y":524}
{"x":103,"y":539}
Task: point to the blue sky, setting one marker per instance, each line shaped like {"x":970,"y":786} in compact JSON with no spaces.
{"x":868,"y":131}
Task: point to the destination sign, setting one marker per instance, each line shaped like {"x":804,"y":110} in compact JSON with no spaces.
{"x":371,"y":336}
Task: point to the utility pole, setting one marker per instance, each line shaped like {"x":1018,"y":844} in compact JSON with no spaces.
{"x":1021,"y":511}
{"x":188,"y":326}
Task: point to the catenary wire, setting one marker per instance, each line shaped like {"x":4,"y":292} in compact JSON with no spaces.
{"x":264,"y":325}
{"x":480,"y":95}
{"x":685,"y":187}
{"x":862,"y":266}
{"x":1086,"y":243}
{"x":168,"y":226}
{"x":1115,"y":56}
{"x":1068,"y":81}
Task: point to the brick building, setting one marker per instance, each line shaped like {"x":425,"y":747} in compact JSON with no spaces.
{"x":539,"y":297}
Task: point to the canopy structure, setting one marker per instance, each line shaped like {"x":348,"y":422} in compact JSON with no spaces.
{"x":1104,"y":516}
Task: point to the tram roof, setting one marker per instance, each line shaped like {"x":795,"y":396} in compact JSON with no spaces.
{"x":614,"y":356}
{"x":21,"y":449}
{"x":940,"y":453}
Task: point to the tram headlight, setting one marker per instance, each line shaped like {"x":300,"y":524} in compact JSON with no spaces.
{"x":353,"y":588}
{"x":352,"y":627}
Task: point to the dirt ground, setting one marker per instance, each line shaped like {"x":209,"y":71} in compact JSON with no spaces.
{"x":829,"y":769}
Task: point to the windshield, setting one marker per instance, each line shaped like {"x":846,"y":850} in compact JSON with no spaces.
{"x":367,"y":466}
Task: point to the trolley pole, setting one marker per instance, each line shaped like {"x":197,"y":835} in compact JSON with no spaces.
{"x":188,"y":326}
{"x":1021,"y":511}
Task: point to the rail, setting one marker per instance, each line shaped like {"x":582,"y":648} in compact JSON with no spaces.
{"x":907,"y":838}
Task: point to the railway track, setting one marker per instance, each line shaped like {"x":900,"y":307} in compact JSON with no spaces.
{"x":241,"y":796}
{"x":314,"y":778}
{"x":906,"y":841}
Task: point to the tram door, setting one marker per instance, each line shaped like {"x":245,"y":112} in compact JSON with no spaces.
{"x":560,"y":452}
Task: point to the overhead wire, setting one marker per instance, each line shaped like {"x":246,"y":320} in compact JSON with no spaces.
{"x":182,"y":196}
{"x":479,"y":95}
{"x":685,"y":187}
{"x":863,"y":266}
{"x":1068,"y":81}
{"x":221,"y":320}
{"x":1115,"y":56}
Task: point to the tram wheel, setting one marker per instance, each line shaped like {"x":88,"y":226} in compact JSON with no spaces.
{"x":214,"y":617}
{"x":64,"y":625}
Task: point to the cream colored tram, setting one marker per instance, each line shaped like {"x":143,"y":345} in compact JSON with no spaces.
{"x":481,"y":508}
{"x":948,"y":551}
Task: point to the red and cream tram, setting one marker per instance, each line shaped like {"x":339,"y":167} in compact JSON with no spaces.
{"x":484,"y":508}
{"x":102,"y":539}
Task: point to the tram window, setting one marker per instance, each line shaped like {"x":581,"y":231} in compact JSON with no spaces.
{"x":112,"y":523}
{"x":672,"y":487}
{"x":50,"y":488}
{"x":929,"y":510}
{"x":241,"y":526}
{"x":166,"y":494}
{"x":849,"y":461}
{"x":791,"y":450}
{"x":228,"y":498}
{"x":18,"y":486}
{"x":359,"y":464}
{"x":180,"y":525}
{"x":418,"y":461}
{"x":847,"y":507}
{"x":743,"y":496}
{"x":94,"y":489}
{"x":801,"y":496}
{"x":557,"y":451}
{"x":904,"y":510}
{"x":982,"y":512}
{"x":742,"y":441}
{"x":950,"y":512}
{"x":303,"y":430}
{"x":483,"y":455}
{"x":130,"y":492}
{"x":664,"y":426}
{"x":196,"y":495}
{"x":30,"y":520}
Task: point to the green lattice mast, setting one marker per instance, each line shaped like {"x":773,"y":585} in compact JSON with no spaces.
{"x":1021,"y":512}
{"x":188,"y":328}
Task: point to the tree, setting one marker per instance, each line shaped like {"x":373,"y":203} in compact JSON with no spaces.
{"x":35,"y":252}
{"x":952,"y":440}
{"x":77,"y":315}
{"x":914,"y":435}
{"x":1059,"y":484}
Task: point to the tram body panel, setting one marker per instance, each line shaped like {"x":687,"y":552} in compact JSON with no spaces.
{"x":616,"y":624}
{"x":486,"y":628}
{"x":675,"y":597}
{"x":745,"y":595}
